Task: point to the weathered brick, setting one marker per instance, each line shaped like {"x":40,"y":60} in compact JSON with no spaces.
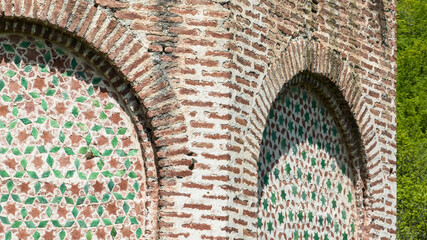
{"x":197,"y":79}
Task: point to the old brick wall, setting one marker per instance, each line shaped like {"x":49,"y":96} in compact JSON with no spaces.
{"x":206,"y":73}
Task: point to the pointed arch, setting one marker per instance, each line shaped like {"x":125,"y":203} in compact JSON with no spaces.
{"x":326,"y":71}
{"x":111,"y":49}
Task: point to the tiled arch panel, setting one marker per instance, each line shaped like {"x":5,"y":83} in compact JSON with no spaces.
{"x":307,"y":185}
{"x":72,"y":156}
{"x":326,"y":71}
{"x":160,"y":120}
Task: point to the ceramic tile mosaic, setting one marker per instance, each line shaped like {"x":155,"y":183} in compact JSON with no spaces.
{"x":305,"y":186}
{"x":70,"y":160}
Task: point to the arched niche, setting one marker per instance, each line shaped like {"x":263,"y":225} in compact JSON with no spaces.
{"x":310,"y":177}
{"x":72,"y":147}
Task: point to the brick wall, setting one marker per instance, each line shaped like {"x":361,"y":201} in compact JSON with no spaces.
{"x":206,"y":73}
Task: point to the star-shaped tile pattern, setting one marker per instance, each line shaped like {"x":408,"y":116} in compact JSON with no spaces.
{"x":70,"y":158}
{"x":305,"y":180}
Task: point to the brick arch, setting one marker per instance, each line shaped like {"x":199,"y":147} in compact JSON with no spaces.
{"x":334,"y":76}
{"x":90,"y":25}
{"x":324,"y":70}
{"x":111,"y":45}
{"x":112,"y":50}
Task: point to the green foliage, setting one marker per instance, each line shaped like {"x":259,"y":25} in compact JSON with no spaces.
{"x":412,"y":119}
